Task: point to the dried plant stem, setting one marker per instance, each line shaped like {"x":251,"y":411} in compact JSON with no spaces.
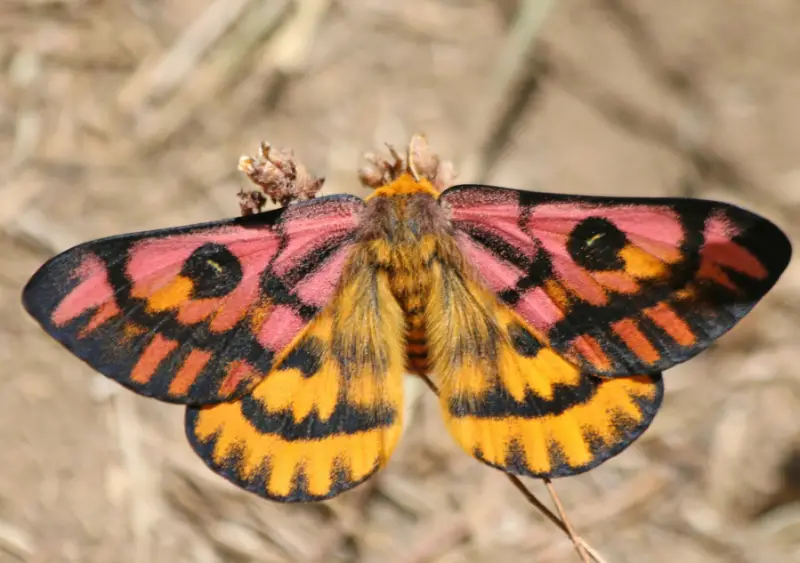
{"x":510,"y":65}
{"x":207,"y":80}
{"x":531,"y":498}
{"x":154,"y":81}
{"x":592,"y":551}
{"x":585,"y":551}
{"x":579,"y":547}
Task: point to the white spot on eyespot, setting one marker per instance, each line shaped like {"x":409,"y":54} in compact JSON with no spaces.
{"x":594,"y":239}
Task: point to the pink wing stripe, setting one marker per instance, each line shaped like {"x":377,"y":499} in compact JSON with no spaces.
{"x":496,"y":273}
{"x":238,"y":371}
{"x":720,"y":249}
{"x":107,"y":310}
{"x":92,"y":291}
{"x":197,"y":311}
{"x":191,"y":368}
{"x":306,"y":235}
{"x":507,"y":231}
{"x":465,"y":201}
{"x":317,"y":288}
{"x":152,"y":356}
{"x":537,"y":308}
{"x":578,"y":281}
{"x":661,"y":250}
{"x":280,"y":327}
{"x":154,"y":263}
{"x":234,"y":306}
{"x":659,"y":224}
{"x":489,"y":215}
{"x":619,"y":282}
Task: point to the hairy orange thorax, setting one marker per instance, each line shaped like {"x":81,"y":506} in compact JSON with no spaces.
{"x":405,"y":184}
{"x":411,"y":236}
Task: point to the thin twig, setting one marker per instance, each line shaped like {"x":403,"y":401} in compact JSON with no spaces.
{"x":15,"y":541}
{"x":209,"y":79}
{"x":510,"y":66}
{"x":614,"y":505}
{"x":283,"y":58}
{"x":593,"y":553}
{"x":579,"y":547}
{"x":531,"y":498}
{"x":155,"y":81}
{"x":585,"y":551}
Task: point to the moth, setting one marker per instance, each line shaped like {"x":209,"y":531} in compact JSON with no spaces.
{"x":545,"y":321}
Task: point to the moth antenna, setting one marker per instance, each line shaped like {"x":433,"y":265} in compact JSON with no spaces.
{"x":412,"y":165}
{"x":395,"y":155}
{"x":412,"y":169}
{"x":395,"y":168}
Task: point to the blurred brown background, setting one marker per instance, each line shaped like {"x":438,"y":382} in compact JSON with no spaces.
{"x":124,"y":115}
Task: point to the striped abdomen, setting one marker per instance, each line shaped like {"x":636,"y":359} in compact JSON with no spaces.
{"x":410,"y":283}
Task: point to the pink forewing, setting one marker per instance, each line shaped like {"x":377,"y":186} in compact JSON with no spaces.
{"x":196,"y":333}
{"x":304,"y":236}
{"x":154,"y":263}
{"x":497,"y":215}
{"x":654,"y":223}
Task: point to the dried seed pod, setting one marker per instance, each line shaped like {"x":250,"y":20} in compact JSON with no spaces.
{"x":280,"y":176}
{"x":445,"y":175}
{"x":371,"y":176}
{"x":423,"y":162}
{"x":251,"y":202}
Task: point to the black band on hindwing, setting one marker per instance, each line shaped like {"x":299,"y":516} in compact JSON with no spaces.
{"x":345,"y":419}
{"x":498,"y":404}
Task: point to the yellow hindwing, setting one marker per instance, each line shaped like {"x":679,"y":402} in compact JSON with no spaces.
{"x":328,"y":415}
{"x":513,"y":402}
